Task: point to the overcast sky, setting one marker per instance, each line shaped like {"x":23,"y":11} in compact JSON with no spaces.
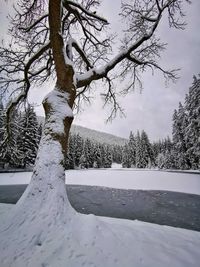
{"x":152,"y":109}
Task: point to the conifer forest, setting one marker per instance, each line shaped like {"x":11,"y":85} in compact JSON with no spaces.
{"x":182,"y":151}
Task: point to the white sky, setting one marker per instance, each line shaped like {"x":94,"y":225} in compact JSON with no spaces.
{"x":152,"y":109}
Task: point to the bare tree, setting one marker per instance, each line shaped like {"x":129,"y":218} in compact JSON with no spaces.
{"x":67,"y":41}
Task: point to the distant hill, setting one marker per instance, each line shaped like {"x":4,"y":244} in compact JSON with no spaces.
{"x":97,"y":136}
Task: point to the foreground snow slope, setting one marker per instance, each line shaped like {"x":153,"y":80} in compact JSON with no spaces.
{"x":121,"y":178}
{"x":95,"y":241}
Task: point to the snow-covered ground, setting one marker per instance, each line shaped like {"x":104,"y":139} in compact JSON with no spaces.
{"x":108,"y":242}
{"x":121,"y":178}
{"x":88,"y":240}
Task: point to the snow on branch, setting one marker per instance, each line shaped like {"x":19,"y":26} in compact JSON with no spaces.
{"x":84,"y":10}
{"x":81,"y":53}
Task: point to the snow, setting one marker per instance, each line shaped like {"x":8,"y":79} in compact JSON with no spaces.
{"x":97,"y":241}
{"x":73,"y":239}
{"x":137,"y":179}
{"x":58,"y":104}
{"x":42,"y":213}
{"x":98,"y":136}
{"x":121,"y":178}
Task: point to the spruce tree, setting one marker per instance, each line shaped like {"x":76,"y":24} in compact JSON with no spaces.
{"x":10,"y":154}
{"x":28,"y":140}
{"x":117,"y":153}
{"x":146,"y":151}
{"x":192,"y":131}
{"x":132,"y":150}
{"x":179,"y":138}
{"x":108,"y":157}
{"x":125,"y":157}
{"x":138,"y":151}
{"x":78,"y":148}
{"x":89,"y":152}
{"x":97,"y":157}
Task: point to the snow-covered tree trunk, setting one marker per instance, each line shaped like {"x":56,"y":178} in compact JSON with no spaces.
{"x":44,"y":207}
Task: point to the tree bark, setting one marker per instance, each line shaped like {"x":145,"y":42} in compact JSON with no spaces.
{"x":44,"y":207}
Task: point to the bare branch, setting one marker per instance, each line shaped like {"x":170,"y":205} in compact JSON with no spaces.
{"x":27,"y":29}
{"x":90,"y":14}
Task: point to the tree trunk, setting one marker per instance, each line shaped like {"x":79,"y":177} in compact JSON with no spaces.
{"x":44,"y":207}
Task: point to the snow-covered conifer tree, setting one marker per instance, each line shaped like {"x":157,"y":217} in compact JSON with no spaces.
{"x":146,"y":157}
{"x":138,"y":151}
{"x":132,"y":150}
{"x":192,"y":131}
{"x":89,"y":153}
{"x":28,"y":140}
{"x":10,"y":153}
{"x":97,"y":157}
{"x":179,"y":140}
{"x":117,"y":153}
{"x":78,"y":148}
{"x":125,"y":157}
{"x":108,"y":157}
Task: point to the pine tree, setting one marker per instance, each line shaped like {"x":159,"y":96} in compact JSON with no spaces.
{"x":138,"y":151}
{"x":10,"y":153}
{"x":156,"y":147}
{"x":169,"y":160}
{"x":132,"y":150}
{"x":160,"y":160}
{"x":78,"y":148}
{"x":179,"y":140}
{"x":108,"y":157}
{"x":28,"y":140}
{"x":125,"y":157}
{"x":146,"y":151}
{"x":192,"y":131}
{"x":103,"y":155}
{"x":97,"y":157}
{"x":83,"y":162}
{"x":117,"y":153}
{"x":89,"y":153}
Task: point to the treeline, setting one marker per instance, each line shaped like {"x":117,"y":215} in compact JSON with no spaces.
{"x":18,"y":149}
{"x":87,"y":153}
{"x":182,"y":152}
{"x":139,"y":152}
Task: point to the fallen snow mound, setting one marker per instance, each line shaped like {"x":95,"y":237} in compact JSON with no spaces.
{"x":97,"y":241}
